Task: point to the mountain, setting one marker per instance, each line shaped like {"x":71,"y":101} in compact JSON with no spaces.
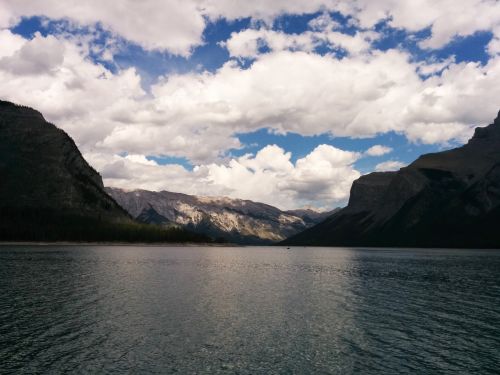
{"x":234,"y":220}
{"x":42,"y":168}
{"x":49,"y":192}
{"x":444,"y":199}
{"x":312,"y":216}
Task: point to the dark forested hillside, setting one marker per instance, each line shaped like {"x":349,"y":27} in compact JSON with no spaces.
{"x":49,"y":192}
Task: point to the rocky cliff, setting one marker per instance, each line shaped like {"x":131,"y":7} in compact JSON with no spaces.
{"x":445,"y":199}
{"x":49,"y":192}
{"x":235,"y":220}
{"x":42,"y":168}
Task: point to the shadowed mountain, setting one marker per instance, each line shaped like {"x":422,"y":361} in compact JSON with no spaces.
{"x":49,"y":192}
{"x":150,"y":216}
{"x":234,"y":220}
{"x":445,"y":199}
{"x":311,"y":216}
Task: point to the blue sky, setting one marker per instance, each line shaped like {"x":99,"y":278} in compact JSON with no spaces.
{"x":212,"y":99}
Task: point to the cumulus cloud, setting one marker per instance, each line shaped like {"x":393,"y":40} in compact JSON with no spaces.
{"x":263,"y":9}
{"x":97,"y":107}
{"x":11,"y":43}
{"x":177,"y":25}
{"x":7,"y":18}
{"x":250,"y":43}
{"x":323,"y":177}
{"x":378,"y":150}
{"x":389,"y":165}
{"x":172,"y":25}
{"x":431,"y":133}
{"x":197,"y":115}
{"x":323,"y":22}
{"x":493,"y":47}
{"x":446,"y":19}
{"x":38,"y":56}
{"x":387,"y":94}
{"x":432,"y":67}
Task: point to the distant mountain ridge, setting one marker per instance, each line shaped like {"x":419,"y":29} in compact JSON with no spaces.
{"x":444,"y":199}
{"x":311,"y":216}
{"x":235,"y":220}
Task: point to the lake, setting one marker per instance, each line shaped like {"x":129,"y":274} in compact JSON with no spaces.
{"x":259,"y":310}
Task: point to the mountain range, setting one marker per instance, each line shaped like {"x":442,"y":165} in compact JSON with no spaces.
{"x":444,"y":199}
{"x":49,"y":192}
{"x":232,"y":220}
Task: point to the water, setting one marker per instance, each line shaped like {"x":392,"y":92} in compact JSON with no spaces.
{"x":261,"y":310}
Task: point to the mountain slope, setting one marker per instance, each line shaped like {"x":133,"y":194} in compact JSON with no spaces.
{"x":311,"y":216}
{"x":235,"y":220}
{"x":49,"y":192}
{"x":42,"y":168}
{"x":445,"y":199}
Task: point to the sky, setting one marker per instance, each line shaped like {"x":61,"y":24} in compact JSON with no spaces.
{"x":285,"y":102}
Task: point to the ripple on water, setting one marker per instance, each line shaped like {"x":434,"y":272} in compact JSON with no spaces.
{"x":248,"y":310}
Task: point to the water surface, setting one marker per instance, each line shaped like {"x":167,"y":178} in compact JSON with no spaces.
{"x":97,"y":309}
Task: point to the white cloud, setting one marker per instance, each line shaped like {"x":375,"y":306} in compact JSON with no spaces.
{"x":326,"y":174}
{"x":447,"y":19}
{"x":323,"y":177}
{"x":453,"y":19}
{"x":244,"y":44}
{"x":172,"y":25}
{"x":389,"y":165}
{"x":95,"y":105}
{"x":262,"y":9}
{"x":431,"y":133}
{"x":197,"y":115}
{"x":7,"y":18}
{"x":311,"y":94}
{"x":432,"y":67}
{"x":323,"y":22}
{"x":38,"y":56}
{"x":177,"y":25}
{"x":358,"y":43}
{"x":248,"y":43}
{"x":133,"y":173}
{"x":140,"y":159}
{"x":493,"y":47}
{"x":10,"y":43}
{"x":378,"y":150}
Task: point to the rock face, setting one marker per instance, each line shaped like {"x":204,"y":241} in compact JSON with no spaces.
{"x":445,"y":199}
{"x":48,"y":192}
{"x":312,"y":216}
{"x":235,"y":220}
{"x":41,"y":168}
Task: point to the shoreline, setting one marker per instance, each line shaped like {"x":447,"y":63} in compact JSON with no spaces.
{"x":209,"y":244}
{"x":131,"y":244}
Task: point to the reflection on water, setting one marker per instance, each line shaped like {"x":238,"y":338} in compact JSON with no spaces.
{"x":248,"y":310}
